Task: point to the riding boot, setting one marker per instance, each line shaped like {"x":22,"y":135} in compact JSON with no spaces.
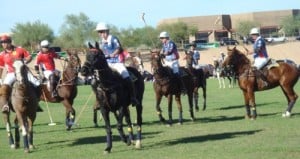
{"x":260,"y":74}
{"x":132,"y":91}
{"x":6,"y":91}
{"x":52,"y":86}
{"x":38,"y":91}
{"x":181,"y":83}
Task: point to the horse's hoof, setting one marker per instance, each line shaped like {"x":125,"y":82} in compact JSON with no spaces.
{"x":248,"y":117}
{"x":179,"y":123}
{"x":193,"y":119}
{"x":131,"y":142}
{"x":31,"y":147}
{"x":138,"y":144}
{"x":13,"y":146}
{"x":96,"y":125}
{"x":106,"y":151}
{"x":286,"y":114}
{"x":26,"y":150}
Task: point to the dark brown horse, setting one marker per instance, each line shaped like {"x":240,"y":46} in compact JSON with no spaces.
{"x":166,"y":84}
{"x":277,"y":73}
{"x":199,"y":79}
{"x":66,"y":88}
{"x":112,"y":95}
{"x":24,"y":102}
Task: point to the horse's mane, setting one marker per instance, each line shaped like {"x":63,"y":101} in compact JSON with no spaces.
{"x":238,"y":56}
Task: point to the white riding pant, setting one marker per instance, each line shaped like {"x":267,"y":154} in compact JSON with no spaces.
{"x":11,"y":78}
{"x":259,"y":62}
{"x":174,"y":65}
{"x":47,"y":74}
{"x":121,"y":69}
{"x":196,"y":66}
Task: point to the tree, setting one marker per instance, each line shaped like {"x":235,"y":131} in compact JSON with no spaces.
{"x":29,"y":35}
{"x":76,"y":31}
{"x":244,"y":27}
{"x":291,"y":25}
{"x":179,"y":31}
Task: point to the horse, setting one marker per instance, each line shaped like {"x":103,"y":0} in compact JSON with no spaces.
{"x":24,"y":102}
{"x":222,"y":73}
{"x":165,"y":84}
{"x":277,"y":73}
{"x":199,"y":79}
{"x":112,"y":95}
{"x":136,"y":62}
{"x":66,"y":88}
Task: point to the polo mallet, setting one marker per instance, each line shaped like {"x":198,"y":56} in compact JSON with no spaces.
{"x":82,"y":109}
{"x":49,"y":114}
{"x":143,"y":19}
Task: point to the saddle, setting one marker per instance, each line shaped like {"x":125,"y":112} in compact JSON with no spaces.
{"x":263,"y":72}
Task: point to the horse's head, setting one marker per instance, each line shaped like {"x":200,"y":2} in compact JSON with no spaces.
{"x":189,"y":58}
{"x":156,"y":58}
{"x":20,"y":71}
{"x":95,"y":60}
{"x":235,"y":58}
{"x":74,"y":60}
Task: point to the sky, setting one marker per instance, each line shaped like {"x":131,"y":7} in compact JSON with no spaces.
{"x":127,"y":13}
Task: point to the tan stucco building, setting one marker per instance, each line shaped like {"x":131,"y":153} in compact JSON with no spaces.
{"x":213,"y":27}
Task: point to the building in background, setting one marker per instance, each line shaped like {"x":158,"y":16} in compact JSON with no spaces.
{"x":214,"y":27}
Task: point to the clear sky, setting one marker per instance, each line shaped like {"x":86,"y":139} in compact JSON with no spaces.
{"x":125,"y":13}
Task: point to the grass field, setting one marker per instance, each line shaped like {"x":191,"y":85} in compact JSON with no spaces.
{"x":220,"y":132}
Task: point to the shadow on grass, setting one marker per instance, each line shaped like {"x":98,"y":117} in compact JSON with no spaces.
{"x":220,"y":119}
{"x":243,"y":106}
{"x":202,"y":138}
{"x":102,"y":138}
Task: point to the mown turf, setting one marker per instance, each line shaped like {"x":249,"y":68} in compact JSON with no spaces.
{"x":219,"y":132}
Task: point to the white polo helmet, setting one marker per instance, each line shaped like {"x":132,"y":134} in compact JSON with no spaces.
{"x":254,"y":31}
{"x":45,"y":43}
{"x":164,"y":34}
{"x":102,"y":26}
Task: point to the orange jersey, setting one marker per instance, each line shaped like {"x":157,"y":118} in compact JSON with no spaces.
{"x":7,"y":58}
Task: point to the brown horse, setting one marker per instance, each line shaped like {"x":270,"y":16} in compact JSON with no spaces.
{"x":278,"y":73}
{"x":24,"y":102}
{"x":66,"y":88}
{"x":199,"y":79}
{"x":165,"y":84}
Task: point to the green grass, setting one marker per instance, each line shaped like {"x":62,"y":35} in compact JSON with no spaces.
{"x":219,"y":132}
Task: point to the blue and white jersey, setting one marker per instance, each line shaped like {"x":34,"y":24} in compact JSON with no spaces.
{"x":196,"y":57}
{"x":259,"y":48}
{"x":109,"y":46}
{"x":169,"y":49}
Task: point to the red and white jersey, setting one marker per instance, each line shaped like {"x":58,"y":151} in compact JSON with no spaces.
{"x":7,"y":58}
{"x":46,"y":59}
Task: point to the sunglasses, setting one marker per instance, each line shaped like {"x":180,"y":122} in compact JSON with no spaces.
{"x":5,"y":41}
{"x":101,"y":31}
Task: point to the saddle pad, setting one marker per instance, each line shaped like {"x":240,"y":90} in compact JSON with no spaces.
{"x":273,"y":63}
